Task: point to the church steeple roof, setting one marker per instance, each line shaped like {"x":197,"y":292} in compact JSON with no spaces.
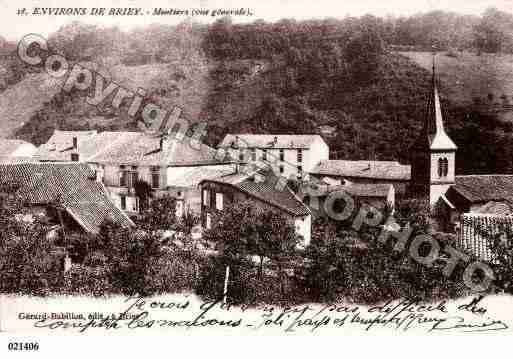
{"x":433,"y":131}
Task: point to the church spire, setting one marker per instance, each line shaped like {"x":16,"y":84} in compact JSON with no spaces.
{"x":434,"y":124}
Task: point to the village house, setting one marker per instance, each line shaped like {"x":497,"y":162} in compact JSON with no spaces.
{"x":290,"y":156}
{"x":65,"y":194}
{"x":380,"y":196}
{"x":68,"y":146}
{"x":261,"y":189}
{"x":16,"y":151}
{"x":342,"y":172}
{"x":167,"y":165}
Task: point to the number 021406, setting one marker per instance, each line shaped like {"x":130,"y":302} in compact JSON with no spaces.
{"x":19,"y":346}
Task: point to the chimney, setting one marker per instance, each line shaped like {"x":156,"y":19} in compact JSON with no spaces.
{"x":165,"y":142}
{"x":275,"y":141}
{"x":236,"y":141}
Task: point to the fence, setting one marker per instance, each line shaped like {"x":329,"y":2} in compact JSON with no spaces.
{"x":476,"y":233}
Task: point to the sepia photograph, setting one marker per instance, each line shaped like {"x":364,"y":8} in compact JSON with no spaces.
{"x":277,"y":167}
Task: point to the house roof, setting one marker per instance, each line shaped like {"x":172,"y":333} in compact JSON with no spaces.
{"x":138,"y":148}
{"x":496,"y":208}
{"x":356,"y":189}
{"x":8,"y":147}
{"x":267,"y":191}
{"x":13,"y":151}
{"x":387,"y":170}
{"x":71,"y":185}
{"x":192,"y":176}
{"x":369,"y":189}
{"x":269,"y":141}
{"x":59,"y":146}
{"x":484,"y":188}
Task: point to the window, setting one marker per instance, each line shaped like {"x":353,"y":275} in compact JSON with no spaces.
{"x":128,"y":178}
{"x":299,"y":172}
{"x":74,"y":157}
{"x":253,"y":154}
{"x":155,"y":177}
{"x":282,"y":169}
{"x":219,"y":201}
{"x":209,"y":221}
{"x":241,"y":155}
{"x":206,"y":198}
{"x":123,"y":202}
{"x":282,"y":155}
{"x":264,"y":155}
{"x":133,"y":177}
{"x":299,"y":155}
{"x":443,"y":167}
{"x":75,"y":142}
{"x":123,"y":176}
{"x":135,"y":204}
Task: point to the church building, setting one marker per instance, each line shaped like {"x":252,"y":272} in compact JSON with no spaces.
{"x":433,"y":153}
{"x":433,"y":175}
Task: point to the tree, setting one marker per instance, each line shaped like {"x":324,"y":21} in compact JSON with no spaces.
{"x":131,"y":257}
{"x":144,"y":192}
{"x":240,"y":230}
{"x":160,"y":214}
{"x":413,"y":212}
{"x":30,"y":263}
{"x":188,"y":221}
{"x":272,"y":236}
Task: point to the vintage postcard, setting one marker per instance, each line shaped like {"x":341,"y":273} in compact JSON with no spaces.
{"x":261,"y":167}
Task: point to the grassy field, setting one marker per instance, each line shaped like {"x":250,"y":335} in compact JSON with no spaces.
{"x":468,"y":76}
{"x":19,"y":102}
{"x":170,"y":85}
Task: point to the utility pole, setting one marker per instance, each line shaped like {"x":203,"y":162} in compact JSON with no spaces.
{"x":226,"y":277}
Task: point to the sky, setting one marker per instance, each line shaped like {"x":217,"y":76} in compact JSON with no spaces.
{"x":13,"y":26}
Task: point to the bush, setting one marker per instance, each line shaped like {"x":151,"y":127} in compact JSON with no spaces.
{"x":175,"y":272}
{"x":85,"y":280}
{"x":246,"y":286}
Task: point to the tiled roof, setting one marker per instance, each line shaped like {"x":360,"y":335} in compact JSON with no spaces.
{"x":369,"y":189}
{"x":192,"y":176}
{"x":16,"y":159}
{"x":386,"y":170}
{"x":484,"y":188}
{"x":355,"y":189}
{"x":495,"y":208}
{"x":266,"y":191}
{"x":60,"y":146}
{"x":269,"y":141}
{"x":137,"y":148}
{"x":71,"y":185}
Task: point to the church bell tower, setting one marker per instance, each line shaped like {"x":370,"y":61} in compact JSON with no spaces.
{"x":433,"y":155}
